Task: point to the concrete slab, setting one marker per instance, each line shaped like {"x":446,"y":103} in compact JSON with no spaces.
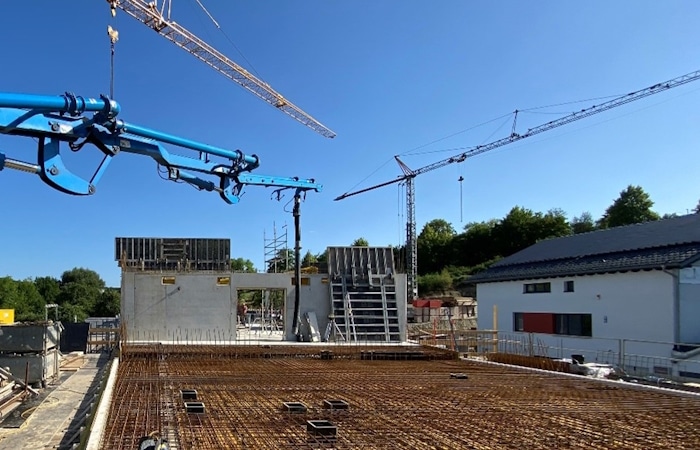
{"x":59,"y":415}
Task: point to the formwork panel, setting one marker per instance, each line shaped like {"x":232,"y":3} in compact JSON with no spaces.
{"x":157,"y":253}
{"x":29,"y":338}
{"x":33,"y":367}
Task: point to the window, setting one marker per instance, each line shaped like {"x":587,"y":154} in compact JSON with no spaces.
{"x":569,"y":286}
{"x":305,"y":281}
{"x":223,"y":281}
{"x":167,"y":280}
{"x":518,"y":322}
{"x":534,"y":288}
{"x":573,"y":324}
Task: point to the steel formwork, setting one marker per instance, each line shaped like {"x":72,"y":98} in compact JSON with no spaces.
{"x":396,"y":398}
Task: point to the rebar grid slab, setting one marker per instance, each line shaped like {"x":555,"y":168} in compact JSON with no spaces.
{"x":393,"y":404}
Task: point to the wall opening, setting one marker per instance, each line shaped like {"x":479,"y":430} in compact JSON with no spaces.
{"x":261,"y":313}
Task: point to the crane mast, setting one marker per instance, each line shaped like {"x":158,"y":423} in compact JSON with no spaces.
{"x":409,"y":175}
{"x":149,"y":14}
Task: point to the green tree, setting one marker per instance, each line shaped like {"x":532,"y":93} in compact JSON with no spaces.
{"x":322,"y":258}
{"x":309,"y":259}
{"x":697,"y":208}
{"x":475,"y":245}
{"x":583,"y":223}
{"x":49,"y":288}
{"x":108,"y":303}
{"x":282,"y":262}
{"x":80,"y":294}
{"x":434,"y":245}
{"x":434,"y":283}
{"x":242,"y":265}
{"x":9,"y":294}
{"x":632,"y":206}
{"x":23,"y":297}
{"x":31,"y":305}
{"x":522,"y":227}
{"x":360,"y":242}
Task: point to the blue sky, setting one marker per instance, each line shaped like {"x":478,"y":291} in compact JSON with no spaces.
{"x":387,"y":76}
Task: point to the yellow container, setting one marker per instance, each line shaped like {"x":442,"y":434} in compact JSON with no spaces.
{"x":7,"y":316}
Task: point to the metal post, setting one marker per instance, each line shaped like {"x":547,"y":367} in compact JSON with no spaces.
{"x":296,"y":212}
{"x":460,"y":179}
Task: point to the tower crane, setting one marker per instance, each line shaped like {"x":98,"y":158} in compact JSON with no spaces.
{"x":158,"y":19}
{"x":409,"y":174}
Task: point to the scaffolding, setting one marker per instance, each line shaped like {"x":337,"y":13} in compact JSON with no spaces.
{"x":276,"y":253}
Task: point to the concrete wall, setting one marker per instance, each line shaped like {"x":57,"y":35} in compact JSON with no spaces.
{"x":193,"y":308}
{"x":633,"y":305}
{"x":402,"y":302}
{"x":313,"y":297}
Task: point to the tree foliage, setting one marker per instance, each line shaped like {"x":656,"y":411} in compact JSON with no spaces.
{"x":282,"y":262}
{"x":632,"y":206}
{"x":583,"y":223}
{"x":434,"y":244}
{"x":360,"y":242}
{"x":79,"y":293}
{"x":309,"y":259}
{"x":480,"y":244}
{"x":242,"y":265}
{"x":434,"y":282}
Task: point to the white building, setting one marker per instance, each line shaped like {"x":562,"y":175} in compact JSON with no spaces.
{"x":627,"y":295}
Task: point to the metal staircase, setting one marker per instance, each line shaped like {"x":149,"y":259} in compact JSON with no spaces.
{"x":363,"y":293}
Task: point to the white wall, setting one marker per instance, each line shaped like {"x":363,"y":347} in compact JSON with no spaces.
{"x":632,"y":305}
{"x":194,"y":308}
{"x":689,"y":299}
{"x":312,"y":297}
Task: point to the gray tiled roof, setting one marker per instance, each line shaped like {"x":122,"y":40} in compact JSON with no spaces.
{"x":652,"y":245}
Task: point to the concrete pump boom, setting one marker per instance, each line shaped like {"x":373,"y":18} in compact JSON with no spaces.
{"x":56,"y":120}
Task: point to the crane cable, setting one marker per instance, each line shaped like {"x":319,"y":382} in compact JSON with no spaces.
{"x":113,"y":38}
{"x":216,"y":24}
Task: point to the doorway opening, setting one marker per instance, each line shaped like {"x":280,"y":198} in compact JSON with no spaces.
{"x":261,"y":314}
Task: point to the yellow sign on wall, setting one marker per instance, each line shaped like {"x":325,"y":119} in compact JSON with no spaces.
{"x":7,"y":316}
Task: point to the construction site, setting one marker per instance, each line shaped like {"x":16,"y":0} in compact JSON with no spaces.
{"x":326,"y":358}
{"x":360,"y":396}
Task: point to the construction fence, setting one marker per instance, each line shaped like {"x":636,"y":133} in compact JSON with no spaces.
{"x":652,"y":359}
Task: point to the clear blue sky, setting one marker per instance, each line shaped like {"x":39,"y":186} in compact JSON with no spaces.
{"x":387,"y":76}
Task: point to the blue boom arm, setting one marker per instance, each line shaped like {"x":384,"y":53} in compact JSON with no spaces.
{"x":56,"y":120}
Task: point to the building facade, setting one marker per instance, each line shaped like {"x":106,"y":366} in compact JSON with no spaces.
{"x":613,"y":295}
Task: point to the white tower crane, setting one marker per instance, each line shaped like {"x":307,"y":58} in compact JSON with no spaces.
{"x":157,"y":17}
{"x":409,"y":174}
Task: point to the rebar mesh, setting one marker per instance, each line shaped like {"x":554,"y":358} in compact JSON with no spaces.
{"x":395,"y":402}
